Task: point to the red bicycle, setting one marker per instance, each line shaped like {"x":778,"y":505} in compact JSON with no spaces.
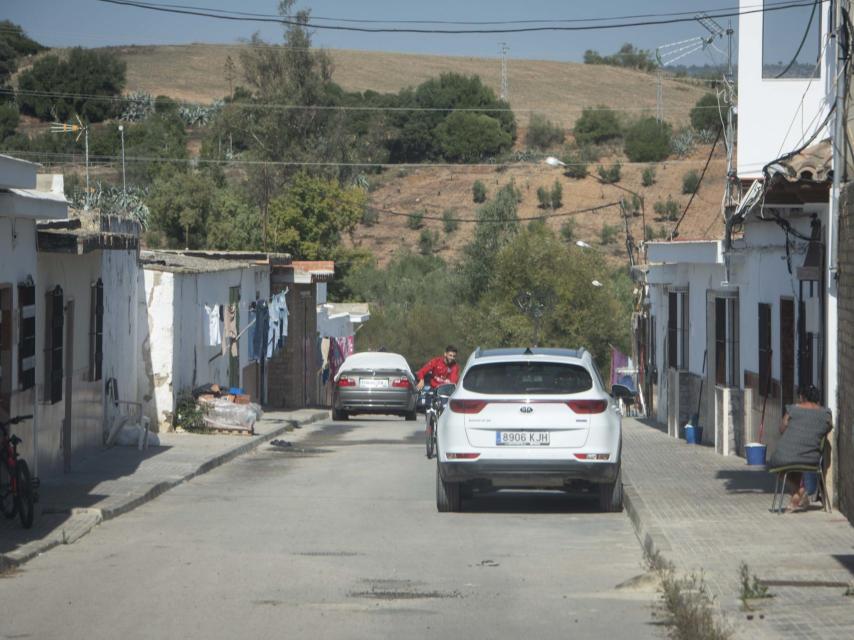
{"x":17,"y":486}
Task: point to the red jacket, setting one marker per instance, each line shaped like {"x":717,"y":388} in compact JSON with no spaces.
{"x":442,"y":373}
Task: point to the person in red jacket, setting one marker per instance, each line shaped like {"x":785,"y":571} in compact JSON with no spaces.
{"x":443,"y":369}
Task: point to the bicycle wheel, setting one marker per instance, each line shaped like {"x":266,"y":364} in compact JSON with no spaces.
{"x":7,"y":501}
{"x":430,"y":433}
{"x":24,"y":497}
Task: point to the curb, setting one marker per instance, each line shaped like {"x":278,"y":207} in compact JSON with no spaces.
{"x":653,"y":541}
{"x":87,"y":519}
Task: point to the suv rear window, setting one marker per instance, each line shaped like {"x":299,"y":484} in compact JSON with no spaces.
{"x":527,"y":377}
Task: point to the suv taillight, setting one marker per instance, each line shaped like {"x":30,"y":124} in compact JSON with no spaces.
{"x":402,"y":383}
{"x":588,"y":406}
{"x":346,"y":382}
{"x":466,"y":406}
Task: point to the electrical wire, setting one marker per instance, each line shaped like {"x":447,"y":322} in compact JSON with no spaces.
{"x":208,"y":13}
{"x":697,"y":188}
{"x":801,"y":46}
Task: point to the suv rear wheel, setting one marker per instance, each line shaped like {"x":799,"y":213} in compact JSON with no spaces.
{"x":448,"y":497}
{"x":611,"y":494}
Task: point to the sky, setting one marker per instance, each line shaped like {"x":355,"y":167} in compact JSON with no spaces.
{"x":91,"y":23}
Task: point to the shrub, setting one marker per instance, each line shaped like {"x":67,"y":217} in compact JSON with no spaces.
{"x":449,"y":222}
{"x":478,"y":191}
{"x":576,"y":166}
{"x":682,"y":144}
{"x":596,"y":126}
{"x":649,"y":233}
{"x":543,"y":133}
{"x":370,"y":217}
{"x":567,"y":230}
{"x":632,"y":205}
{"x":608,"y":234}
{"x":415,"y":220}
{"x":556,"y":195}
{"x":648,"y":177}
{"x":667,"y":210}
{"x":544,"y":198}
{"x":612,"y":174}
{"x":706,"y":114}
{"x":468,"y":137}
{"x":8,"y":120}
{"x":690,"y":182}
{"x":427,"y":242}
{"x":648,"y":140}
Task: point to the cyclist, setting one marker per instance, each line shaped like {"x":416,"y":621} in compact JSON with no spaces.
{"x":442,"y":369}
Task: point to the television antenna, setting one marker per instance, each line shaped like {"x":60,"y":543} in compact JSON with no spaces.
{"x":80,"y":129}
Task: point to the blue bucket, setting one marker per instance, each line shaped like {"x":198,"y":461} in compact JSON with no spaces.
{"x":755,"y":453}
{"x":693,"y":435}
{"x":235,"y":391}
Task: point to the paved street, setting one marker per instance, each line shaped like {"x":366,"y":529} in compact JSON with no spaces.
{"x":337,"y":536}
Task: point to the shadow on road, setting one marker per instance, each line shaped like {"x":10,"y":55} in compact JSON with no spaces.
{"x":540,"y":502}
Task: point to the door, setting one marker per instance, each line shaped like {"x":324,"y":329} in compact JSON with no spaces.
{"x":5,"y":351}
{"x":69,"y":385}
{"x":787,"y":350}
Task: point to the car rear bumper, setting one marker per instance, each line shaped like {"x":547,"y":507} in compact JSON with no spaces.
{"x":375,"y":401}
{"x":515,"y":470}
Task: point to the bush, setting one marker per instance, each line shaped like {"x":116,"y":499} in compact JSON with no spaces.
{"x":576,"y":166}
{"x":648,"y":140}
{"x":682,"y":144}
{"x":567,"y":230}
{"x":427,"y":242}
{"x":544,"y":198}
{"x":478,"y":191}
{"x":651,"y":234}
{"x":596,"y":126}
{"x":542,"y":133}
{"x":370,"y":217}
{"x":690,"y":182}
{"x":449,"y":222}
{"x":608,"y":234}
{"x":706,"y":114}
{"x":415,"y":220}
{"x":648,"y":177}
{"x":8,"y":120}
{"x":612,"y":174}
{"x":468,"y":137}
{"x":556,"y":195}
{"x":632,"y":205}
{"x":667,"y":210}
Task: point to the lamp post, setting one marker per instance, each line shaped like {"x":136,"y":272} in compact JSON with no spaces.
{"x":124,"y":178}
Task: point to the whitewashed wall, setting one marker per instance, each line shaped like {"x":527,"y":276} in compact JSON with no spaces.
{"x":120,"y":275}
{"x":769,"y":108}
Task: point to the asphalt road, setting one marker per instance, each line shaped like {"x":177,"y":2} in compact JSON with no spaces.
{"x":337,"y":536}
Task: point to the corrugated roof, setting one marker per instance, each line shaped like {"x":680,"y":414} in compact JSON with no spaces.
{"x":198,"y":262}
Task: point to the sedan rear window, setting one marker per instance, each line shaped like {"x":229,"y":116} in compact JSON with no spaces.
{"x":527,"y":377}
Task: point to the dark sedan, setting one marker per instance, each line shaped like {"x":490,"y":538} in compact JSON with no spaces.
{"x":374,"y":382}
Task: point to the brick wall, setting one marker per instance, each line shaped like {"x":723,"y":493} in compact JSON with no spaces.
{"x":845,"y":420}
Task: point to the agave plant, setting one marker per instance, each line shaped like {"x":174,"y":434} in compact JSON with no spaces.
{"x":138,"y":106}
{"x":683,"y":142}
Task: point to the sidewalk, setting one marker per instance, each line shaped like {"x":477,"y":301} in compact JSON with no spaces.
{"x":117,"y":480}
{"x":704,"y":511}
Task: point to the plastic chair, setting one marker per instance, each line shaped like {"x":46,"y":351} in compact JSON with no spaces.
{"x":783,"y":474}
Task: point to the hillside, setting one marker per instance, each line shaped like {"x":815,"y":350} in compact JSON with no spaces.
{"x":559,"y":90}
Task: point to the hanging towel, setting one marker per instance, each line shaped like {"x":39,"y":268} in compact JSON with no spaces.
{"x":210,"y":326}
{"x":230,"y":331}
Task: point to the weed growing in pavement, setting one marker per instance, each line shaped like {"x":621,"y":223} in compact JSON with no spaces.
{"x":751,"y":587}
{"x":189,"y":415}
{"x":849,"y":590}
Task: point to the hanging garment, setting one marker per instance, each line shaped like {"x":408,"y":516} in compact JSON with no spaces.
{"x":351,"y":346}
{"x":210,"y":326}
{"x":253,"y":334}
{"x":336,"y":356}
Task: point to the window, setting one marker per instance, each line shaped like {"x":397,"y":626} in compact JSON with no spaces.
{"x":96,"y":331}
{"x":27,"y":335}
{"x":726,"y":342}
{"x":791,"y":40}
{"x":54,"y":328}
{"x":528,"y":377}
{"x":677,"y":330}
{"x":764,"y":348}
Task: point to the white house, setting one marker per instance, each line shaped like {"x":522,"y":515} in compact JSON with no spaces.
{"x":195,"y":310}
{"x":734,"y":325}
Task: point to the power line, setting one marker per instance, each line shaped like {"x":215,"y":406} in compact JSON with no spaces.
{"x":696,"y":188}
{"x":210,"y":13}
{"x":565,"y":214}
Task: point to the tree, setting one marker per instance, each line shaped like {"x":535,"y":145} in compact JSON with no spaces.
{"x":596,"y":126}
{"x":628,"y":56}
{"x":478,"y":192}
{"x":307,"y":220}
{"x":497,"y":223}
{"x":8,"y":120}
{"x":235,"y":225}
{"x":648,"y":140}
{"x":180,"y":207}
{"x":706,"y":114}
{"x":468,"y":137}
{"x":449,"y":220}
{"x":543,"y":197}
{"x":542,"y":133}
{"x":14,"y":43}
{"x":87,"y":83}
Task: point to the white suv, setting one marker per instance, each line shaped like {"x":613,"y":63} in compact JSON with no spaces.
{"x":529,"y":418}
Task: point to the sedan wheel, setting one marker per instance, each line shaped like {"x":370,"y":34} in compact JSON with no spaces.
{"x":611,"y":494}
{"x":447,"y":495}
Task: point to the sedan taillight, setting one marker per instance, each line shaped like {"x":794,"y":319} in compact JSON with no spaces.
{"x":402,"y":383}
{"x":588,"y":406}
{"x":346,"y":382}
{"x":466,"y":406}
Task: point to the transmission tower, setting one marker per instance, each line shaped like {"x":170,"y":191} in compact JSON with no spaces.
{"x":503,"y":49}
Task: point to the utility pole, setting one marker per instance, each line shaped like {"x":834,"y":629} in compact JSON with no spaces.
{"x":124,"y":176}
{"x":732,"y":188}
{"x":503,"y":49}
{"x":659,"y":101}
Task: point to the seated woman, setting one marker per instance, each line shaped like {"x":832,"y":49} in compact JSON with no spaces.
{"x":803,"y":427}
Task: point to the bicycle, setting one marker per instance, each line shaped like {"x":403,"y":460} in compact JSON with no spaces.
{"x":19,"y":496}
{"x":431,"y":417}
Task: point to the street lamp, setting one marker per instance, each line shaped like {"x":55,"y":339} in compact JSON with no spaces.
{"x":124,"y":179}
